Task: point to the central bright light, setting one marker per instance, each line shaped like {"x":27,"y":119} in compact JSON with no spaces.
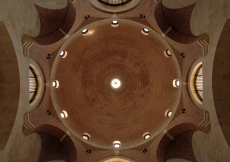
{"x":115,"y":83}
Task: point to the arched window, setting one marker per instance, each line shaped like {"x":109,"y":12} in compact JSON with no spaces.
{"x":198,"y":82}
{"x":114,"y":2}
{"x":116,"y":159}
{"x":33,"y":84}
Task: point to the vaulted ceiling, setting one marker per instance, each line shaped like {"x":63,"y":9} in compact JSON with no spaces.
{"x":132,"y":51}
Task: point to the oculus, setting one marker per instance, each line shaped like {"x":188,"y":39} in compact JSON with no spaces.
{"x":115,"y":83}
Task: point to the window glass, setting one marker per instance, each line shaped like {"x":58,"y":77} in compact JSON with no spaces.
{"x":198,"y":82}
{"x":32,"y":84}
{"x":114,"y":2}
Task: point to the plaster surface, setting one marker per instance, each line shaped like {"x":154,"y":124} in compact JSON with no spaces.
{"x":30,"y":148}
{"x":19,"y":18}
{"x":9,"y":85}
{"x":177,"y":160}
{"x":176,"y":4}
{"x":210,"y":17}
{"x":54,"y":4}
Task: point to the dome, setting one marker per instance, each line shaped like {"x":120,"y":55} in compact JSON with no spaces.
{"x":112,"y":80}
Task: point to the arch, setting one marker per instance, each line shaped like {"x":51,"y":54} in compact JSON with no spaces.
{"x":56,"y":144}
{"x":181,"y":147}
{"x":221,"y":80}
{"x":9,"y":85}
{"x":177,"y":4}
{"x":178,"y":138}
{"x":175,"y":23}
{"x":55,"y":24}
{"x":54,"y":4}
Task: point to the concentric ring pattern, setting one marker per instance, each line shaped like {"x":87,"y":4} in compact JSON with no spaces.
{"x":125,"y":113}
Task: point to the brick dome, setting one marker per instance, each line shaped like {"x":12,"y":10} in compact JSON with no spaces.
{"x":125,"y":113}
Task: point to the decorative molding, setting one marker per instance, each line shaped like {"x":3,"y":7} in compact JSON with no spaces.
{"x":62,"y":31}
{"x":166,"y":32}
{"x":63,"y":137}
{"x":27,"y":126}
{"x":169,"y":136}
{"x":204,"y":42}
{"x":27,"y":42}
{"x":205,"y":124}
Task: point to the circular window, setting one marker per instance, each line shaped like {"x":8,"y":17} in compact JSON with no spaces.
{"x":63,"y":54}
{"x":55,"y":84}
{"x":114,"y":6}
{"x":176,"y":83}
{"x":33,"y":84}
{"x":86,"y":136}
{"x":63,"y":114}
{"x":146,"y":135}
{"x":114,"y":23}
{"x":117,"y":144}
{"x":168,"y":113}
{"x":198,"y":82}
{"x":145,"y":31}
{"x":84,"y":31}
{"x":36,"y":85}
{"x":114,"y":2}
{"x":167,"y":53}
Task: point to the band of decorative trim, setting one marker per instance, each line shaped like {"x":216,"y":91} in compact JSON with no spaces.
{"x":27,"y":126}
{"x":203,"y":42}
{"x":169,"y":136}
{"x":26,"y":44}
{"x":205,"y":124}
{"x":62,"y":31}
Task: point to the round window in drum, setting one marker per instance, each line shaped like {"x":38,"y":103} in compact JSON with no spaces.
{"x":198,"y":83}
{"x":33,"y":84}
{"x":114,"y":2}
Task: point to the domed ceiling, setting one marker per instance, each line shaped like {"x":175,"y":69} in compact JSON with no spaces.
{"x":115,"y":114}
